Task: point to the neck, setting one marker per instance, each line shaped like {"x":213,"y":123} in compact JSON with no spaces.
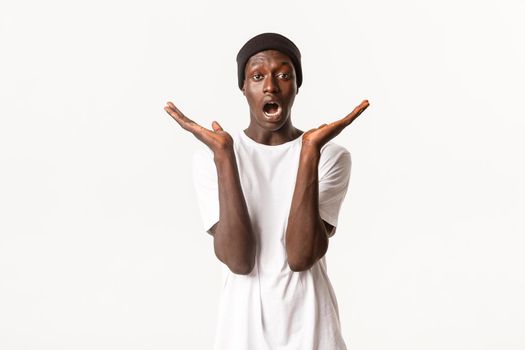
{"x":272,"y":137}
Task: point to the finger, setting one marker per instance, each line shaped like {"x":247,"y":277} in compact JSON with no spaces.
{"x":359,"y":109}
{"x":171,"y":106}
{"x":216,"y":126}
{"x":177,"y":117}
{"x":356,"y":112}
{"x":180,"y":118}
{"x":177,"y":112}
{"x":174,"y":111}
{"x":321,"y":126}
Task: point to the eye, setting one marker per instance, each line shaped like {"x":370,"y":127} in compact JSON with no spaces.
{"x":257,"y":77}
{"x":284,"y":76}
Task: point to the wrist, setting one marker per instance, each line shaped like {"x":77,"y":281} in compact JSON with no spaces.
{"x":310,"y":151}
{"x":224,"y":155}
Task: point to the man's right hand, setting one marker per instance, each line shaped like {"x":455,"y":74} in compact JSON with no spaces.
{"x":218,"y":140}
{"x":234,"y":242}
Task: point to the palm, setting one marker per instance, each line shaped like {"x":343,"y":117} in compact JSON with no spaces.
{"x":320,"y":136}
{"x":216,"y":139}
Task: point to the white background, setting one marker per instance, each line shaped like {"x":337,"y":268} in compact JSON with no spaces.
{"x":101,"y":245}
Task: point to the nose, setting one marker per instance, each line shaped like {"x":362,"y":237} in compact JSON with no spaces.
{"x":270,"y":85}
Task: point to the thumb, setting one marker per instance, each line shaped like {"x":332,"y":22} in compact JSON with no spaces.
{"x":216,"y":126}
{"x":322,"y":126}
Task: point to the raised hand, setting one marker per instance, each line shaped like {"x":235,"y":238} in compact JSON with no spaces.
{"x":318,"y":137}
{"x":217,"y":139}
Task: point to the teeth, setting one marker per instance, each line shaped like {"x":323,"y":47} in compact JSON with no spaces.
{"x":277,"y":112}
{"x":273,"y":104}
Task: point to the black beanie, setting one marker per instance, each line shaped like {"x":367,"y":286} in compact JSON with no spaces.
{"x":268,"y":41}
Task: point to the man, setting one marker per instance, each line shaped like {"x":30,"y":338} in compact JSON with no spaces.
{"x":270,"y":197}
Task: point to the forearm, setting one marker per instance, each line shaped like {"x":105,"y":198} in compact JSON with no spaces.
{"x":306,"y":237}
{"x":234,"y":241}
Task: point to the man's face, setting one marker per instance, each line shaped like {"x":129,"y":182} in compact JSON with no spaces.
{"x":270,"y":88}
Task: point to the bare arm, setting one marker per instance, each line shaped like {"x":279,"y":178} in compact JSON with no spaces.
{"x":234,"y":241}
{"x":307,"y":234}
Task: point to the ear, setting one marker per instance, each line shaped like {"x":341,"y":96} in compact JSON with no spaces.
{"x":244,"y":87}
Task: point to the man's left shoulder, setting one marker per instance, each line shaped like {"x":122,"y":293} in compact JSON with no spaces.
{"x":333,"y":151}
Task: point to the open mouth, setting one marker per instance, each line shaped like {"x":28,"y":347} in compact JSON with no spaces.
{"x":272,"y":109}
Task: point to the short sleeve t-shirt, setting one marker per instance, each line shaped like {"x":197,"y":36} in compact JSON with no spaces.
{"x":274,"y":307}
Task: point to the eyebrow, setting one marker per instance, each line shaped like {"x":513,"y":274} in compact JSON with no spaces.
{"x":257,"y":63}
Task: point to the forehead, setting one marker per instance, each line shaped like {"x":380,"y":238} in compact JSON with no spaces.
{"x":269,"y":57}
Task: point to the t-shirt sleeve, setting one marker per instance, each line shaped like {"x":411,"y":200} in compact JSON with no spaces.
{"x":206,"y":186}
{"x":334,"y":176}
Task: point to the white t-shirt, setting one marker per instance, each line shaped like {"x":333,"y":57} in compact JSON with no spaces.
{"x":274,"y":307}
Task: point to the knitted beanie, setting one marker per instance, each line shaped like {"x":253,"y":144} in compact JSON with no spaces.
{"x":269,"y":41}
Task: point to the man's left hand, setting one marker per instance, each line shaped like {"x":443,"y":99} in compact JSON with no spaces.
{"x":318,"y":137}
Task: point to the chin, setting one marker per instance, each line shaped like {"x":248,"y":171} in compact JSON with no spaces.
{"x":273,"y":123}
